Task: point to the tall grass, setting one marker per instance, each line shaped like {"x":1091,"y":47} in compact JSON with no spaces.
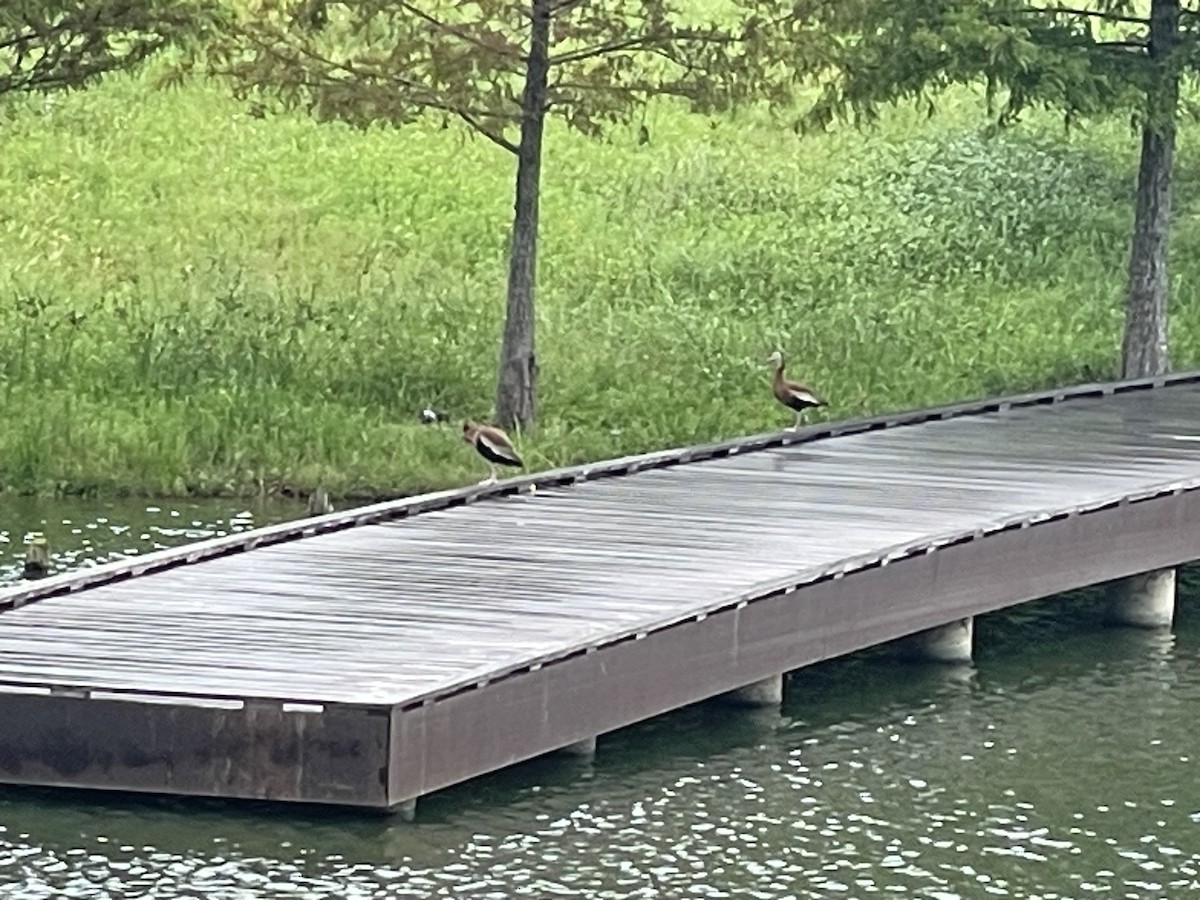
{"x":193,"y":299}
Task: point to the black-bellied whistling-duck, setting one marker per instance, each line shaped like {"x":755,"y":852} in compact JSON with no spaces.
{"x":493,"y":445}
{"x":792,"y":394}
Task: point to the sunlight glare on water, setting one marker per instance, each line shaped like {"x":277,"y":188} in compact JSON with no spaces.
{"x":1062,"y":765}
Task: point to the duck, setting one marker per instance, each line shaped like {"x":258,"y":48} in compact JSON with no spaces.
{"x":493,"y":445}
{"x":792,"y":394}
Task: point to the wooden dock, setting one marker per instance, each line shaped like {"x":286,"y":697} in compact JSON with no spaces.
{"x":368,"y":657}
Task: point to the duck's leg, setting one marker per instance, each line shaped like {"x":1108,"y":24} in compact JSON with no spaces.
{"x":491,"y":479}
{"x":796,"y":427}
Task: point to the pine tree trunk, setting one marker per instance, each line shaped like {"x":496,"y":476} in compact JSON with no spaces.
{"x":1144,"y":347}
{"x":516,"y":383}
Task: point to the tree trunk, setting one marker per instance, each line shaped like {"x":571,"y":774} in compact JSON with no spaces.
{"x":1144,"y":348}
{"x":516,"y":383}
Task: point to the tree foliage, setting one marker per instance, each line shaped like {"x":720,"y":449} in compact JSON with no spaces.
{"x":393,"y":60}
{"x":53,"y":44}
{"x":501,"y":67}
{"x":1088,"y":61}
{"x":1103,"y":58}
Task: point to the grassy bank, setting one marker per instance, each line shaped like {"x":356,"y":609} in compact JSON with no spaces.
{"x":194,"y":299}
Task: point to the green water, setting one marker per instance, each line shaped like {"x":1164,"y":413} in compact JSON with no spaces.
{"x":1062,"y":765}
{"x":86,"y":532}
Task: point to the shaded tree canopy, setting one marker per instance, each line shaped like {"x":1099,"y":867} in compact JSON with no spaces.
{"x":53,"y":44}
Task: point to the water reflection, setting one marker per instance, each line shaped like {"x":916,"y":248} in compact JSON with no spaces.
{"x":1060,"y":765}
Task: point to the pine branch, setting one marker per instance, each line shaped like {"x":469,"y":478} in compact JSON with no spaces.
{"x":653,"y":43}
{"x":53,"y":48}
{"x":423,"y":95}
{"x":25,"y":37}
{"x":461,"y":33}
{"x":614,"y":46}
{"x":1088,"y":13}
{"x":54,"y":69}
{"x":633,"y":91}
{"x":497,"y":139}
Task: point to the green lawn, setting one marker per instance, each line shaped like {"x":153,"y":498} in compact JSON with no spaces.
{"x":195,"y":299}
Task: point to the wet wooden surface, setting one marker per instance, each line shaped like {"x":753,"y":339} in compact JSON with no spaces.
{"x":395,"y":611}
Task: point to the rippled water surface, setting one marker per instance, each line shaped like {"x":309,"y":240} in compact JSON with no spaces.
{"x":84,"y":533}
{"x":1063,"y":764}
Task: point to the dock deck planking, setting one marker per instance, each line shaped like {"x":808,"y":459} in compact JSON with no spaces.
{"x":393,"y":613}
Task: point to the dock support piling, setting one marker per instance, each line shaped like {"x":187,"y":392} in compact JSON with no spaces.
{"x":1146,"y":600}
{"x":37,"y":556}
{"x":318,"y":502}
{"x":585,"y":749}
{"x":949,"y":643}
{"x":407,"y":810}
{"x":766,"y":692}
